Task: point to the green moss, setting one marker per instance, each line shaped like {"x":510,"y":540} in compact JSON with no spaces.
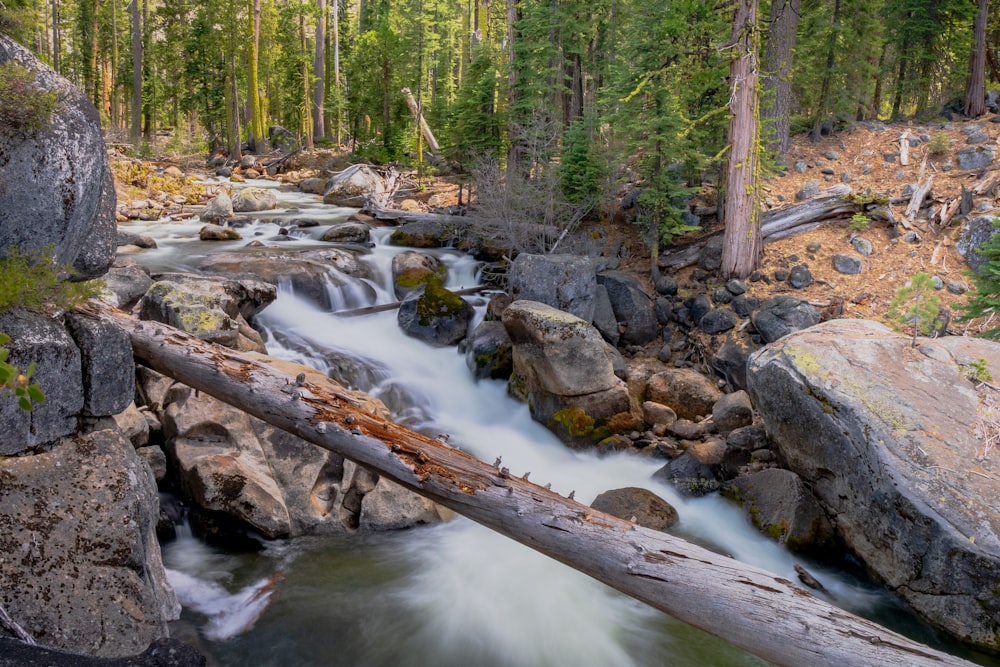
{"x":414,"y":277}
{"x":32,"y":281}
{"x":575,"y":421}
{"x":436,"y":301}
{"x":804,"y":361}
{"x":23,"y":104}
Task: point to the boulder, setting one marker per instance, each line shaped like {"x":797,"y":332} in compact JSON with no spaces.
{"x":313,"y":186}
{"x":88,"y":576}
{"x":45,"y":342}
{"x":412,"y":269}
{"x":219,"y":208}
{"x":718,"y":320}
{"x":639,"y":505}
{"x":885,"y":435}
{"x":689,"y":476}
{"x":975,"y":157}
{"x":435,"y":315}
{"x":107,"y":365}
{"x":250,"y":200}
{"x":604,"y":316}
{"x":687,"y":392}
{"x":353,"y":186}
{"x":348,"y":232}
{"x":779,"y":504}
{"x":161,"y":653}
{"x":57,"y":188}
{"x":975,"y":234}
{"x":218,"y":233}
{"x":564,"y":282}
{"x":488,"y":352}
{"x":424,"y":234}
{"x":781,"y":315}
{"x":732,"y":411}
{"x":127,"y":281}
{"x":271,"y":480}
{"x":730,"y":360}
{"x":632,"y":306}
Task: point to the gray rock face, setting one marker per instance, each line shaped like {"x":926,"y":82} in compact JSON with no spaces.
{"x":219,"y":208}
{"x":975,"y":234}
{"x":718,"y":320}
{"x":353,"y":186}
{"x":435,"y":315}
{"x":313,"y":186}
{"x":604,"y":316}
{"x":883,"y":433}
{"x":108,"y":368}
{"x":780,"y":505}
{"x":565,"y":282}
{"x":809,"y":190}
{"x":44,"y":341}
{"x":249,"y":200}
{"x":641,"y":505}
{"x":488,"y":352}
{"x":781,"y":315}
{"x":633,"y":308}
{"x":127,"y":280}
{"x":975,"y":157}
{"x":732,"y":411}
{"x":56,"y":188}
{"x":277,"y":483}
{"x":88,"y":577}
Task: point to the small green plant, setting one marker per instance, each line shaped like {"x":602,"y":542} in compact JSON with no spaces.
{"x":13,"y":380}
{"x":978,"y":370}
{"x":939,"y":145}
{"x":859,"y":222}
{"x":915,"y":304}
{"x":32,"y":281}
{"x":985,"y":299}
{"x":23,"y":104}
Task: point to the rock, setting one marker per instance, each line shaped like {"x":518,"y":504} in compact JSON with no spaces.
{"x":161,"y":653}
{"x":666,"y":285}
{"x":633,"y":308}
{"x":281,"y":485}
{"x":354,"y":186}
{"x":57,"y":188}
{"x":744,"y":305}
{"x":748,"y":438}
{"x":809,"y":190}
{"x":863,"y":246}
{"x":219,"y":208}
{"x":781,"y":315}
{"x":82,"y":518}
{"x":132,"y":424}
{"x":348,"y":232}
{"x":975,"y":234}
{"x":847,"y":264}
{"x":685,"y":429}
{"x":800,"y":277}
{"x":250,"y":200}
{"x":218,"y":233}
{"x":108,"y":370}
{"x":412,"y":270}
{"x":846,"y":403}
{"x":639,"y":505}
{"x":698,"y":307}
{"x":604,"y":316}
{"x":424,"y":234}
{"x":139,"y":241}
{"x":689,"y":476}
{"x":565,"y":282}
{"x":248,"y":162}
{"x":979,"y":137}
{"x":488,"y":352}
{"x":718,"y":320}
{"x":689,"y":393}
{"x":313,"y":186}
{"x":732,"y":411}
{"x":710,"y":258}
{"x":435,"y":315}
{"x":975,"y":157}
{"x":43,"y":341}
{"x":730,"y":360}
{"x":720,"y":295}
{"x":127,"y":280}
{"x":780,"y":505}
{"x":389,"y":506}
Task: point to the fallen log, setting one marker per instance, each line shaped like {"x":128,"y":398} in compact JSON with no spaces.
{"x":382,"y":307}
{"x":763,"y":613}
{"x":918,"y":198}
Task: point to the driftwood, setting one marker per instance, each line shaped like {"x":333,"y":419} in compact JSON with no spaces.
{"x":382,"y":307}
{"x":432,"y":144}
{"x":918,"y":198}
{"x":11,"y":626}
{"x":761,"y":612}
{"x":987,"y":185}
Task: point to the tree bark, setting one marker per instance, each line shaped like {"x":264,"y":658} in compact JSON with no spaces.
{"x":763,"y":613}
{"x":319,"y":73}
{"x":831,"y":59}
{"x":135,"y":126}
{"x":256,"y":135}
{"x":742,"y":245}
{"x":337,"y":133}
{"x":778,"y":60}
{"x":975,"y":89}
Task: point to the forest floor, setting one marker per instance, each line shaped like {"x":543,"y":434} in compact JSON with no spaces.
{"x":863,"y":148}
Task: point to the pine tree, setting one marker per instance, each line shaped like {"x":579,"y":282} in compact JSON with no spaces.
{"x":985,"y":300}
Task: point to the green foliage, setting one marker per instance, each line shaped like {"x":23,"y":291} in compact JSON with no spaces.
{"x":13,"y":380}
{"x":32,"y":281}
{"x":916,"y":305}
{"x":939,"y":144}
{"x":978,"y":370}
{"x":985,"y":299}
{"x":23,"y":104}
{"x":580,"y":170}
{"x":661,"y":206}
{"x":859,"y":222}
{"x":475,"y":127}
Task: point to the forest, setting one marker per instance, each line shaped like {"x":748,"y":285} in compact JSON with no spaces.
{"x":569,"y":99}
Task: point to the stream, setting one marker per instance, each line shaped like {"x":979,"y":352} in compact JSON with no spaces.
{"x":454,"y":594}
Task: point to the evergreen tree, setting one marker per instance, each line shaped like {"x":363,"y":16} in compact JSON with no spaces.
{"x":985,"y":300}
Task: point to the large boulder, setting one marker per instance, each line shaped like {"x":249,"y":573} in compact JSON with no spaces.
{"x":353,"y":186}
{"x":412,"y":269}
{"x":108,"y":369}
{"x":781,"y":315}
{"x":82,"y":570}
{"x":632,"y":306}
{"x":639,"y":505}
{"x":56,"y":187}
{"x":488,"y":351}
{"x":271,"y":480}
{"x":435,"y":315}
{"x":251,"y":200}
{"x":565,"y":282}
{"x":127,"y":281}
{"x":885,"y":434}
{"x":689,"y":393}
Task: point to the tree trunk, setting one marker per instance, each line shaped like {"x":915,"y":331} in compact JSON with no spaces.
{"x":305,"y":124}
{"x":742,"y":246}
{"x":256,"y":135}
{"x":975,"y":89}
{"x":56,"y":39}
{"x":778,"y":59}
{"x":319,"y":72}
{"x":763,"y":613}
{"x":337,"y":133}
{"x":831,"y":59}
{"x":135,"y":126}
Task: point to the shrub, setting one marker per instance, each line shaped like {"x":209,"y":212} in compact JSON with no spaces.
{"x":859,"y":222}
{"x":985,"y":299}
{"x":939,"y":145}
{"x":22,"y":104}
{"x":915,"y":304}
{"x":32,"y":281}
{"x":12,"y":379}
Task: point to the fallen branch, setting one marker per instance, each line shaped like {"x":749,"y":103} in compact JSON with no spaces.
{"x":11,"y":626}
{"x":382,"y":307}
{"x":761,"y":612}
{"x":918,"y":198}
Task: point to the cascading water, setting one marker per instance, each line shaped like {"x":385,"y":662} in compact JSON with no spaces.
{"x":454,"y":594}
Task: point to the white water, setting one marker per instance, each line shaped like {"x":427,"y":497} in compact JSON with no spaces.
{"x":454,"y":594}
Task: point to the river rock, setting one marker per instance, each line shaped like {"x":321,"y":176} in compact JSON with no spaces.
{"x":632,"y":306}
{"x":218,"y":233}
{"x":779,"y":504}
{"x":127,"y":280}
{"x":88,"y":576}
{"x":424,"y":234}
{"x":639,"y":505}
{"x":313,"y":186}
{"x":883,"y":433}
{"x":604,"y":316}
{"x":250,"y":200}
{"x":730,"y":360}
{"x":689,"y":476}
{"x":307,"y":271}
{"x":732,"y":411}
{"x":687,"y":392}
{"x":488,"y":351}
{"x":348,"y":232}
{"x":354,"y":186}
{"x":279,"y":484}
{"x":412,"y":269}
{"x":435,"y":315}
{"x":138,"y":240}
{"x":57,"y":188}
{"x":781,"y":315}
{"x":219,"y":208}
{"x":564,"y":282}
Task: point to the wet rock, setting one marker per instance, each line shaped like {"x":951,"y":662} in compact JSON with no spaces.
{"x":347,"y":232}
{"x":219,"y":208}
{"x":354,"y":186}
{"x":411,"y":270}
{"x":249,"y":200}
{"x":488,"y":351}
{"x":424,"y":234}
{"x":639,"y":505}
{"x":435,"y":315}
{"x":218,"y":233}
{"x":730,"y":360}
{"x":689,"y":476}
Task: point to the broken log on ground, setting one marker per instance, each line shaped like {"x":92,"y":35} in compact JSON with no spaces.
{"x":382,"y":307}
{"x":761,"y":612}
